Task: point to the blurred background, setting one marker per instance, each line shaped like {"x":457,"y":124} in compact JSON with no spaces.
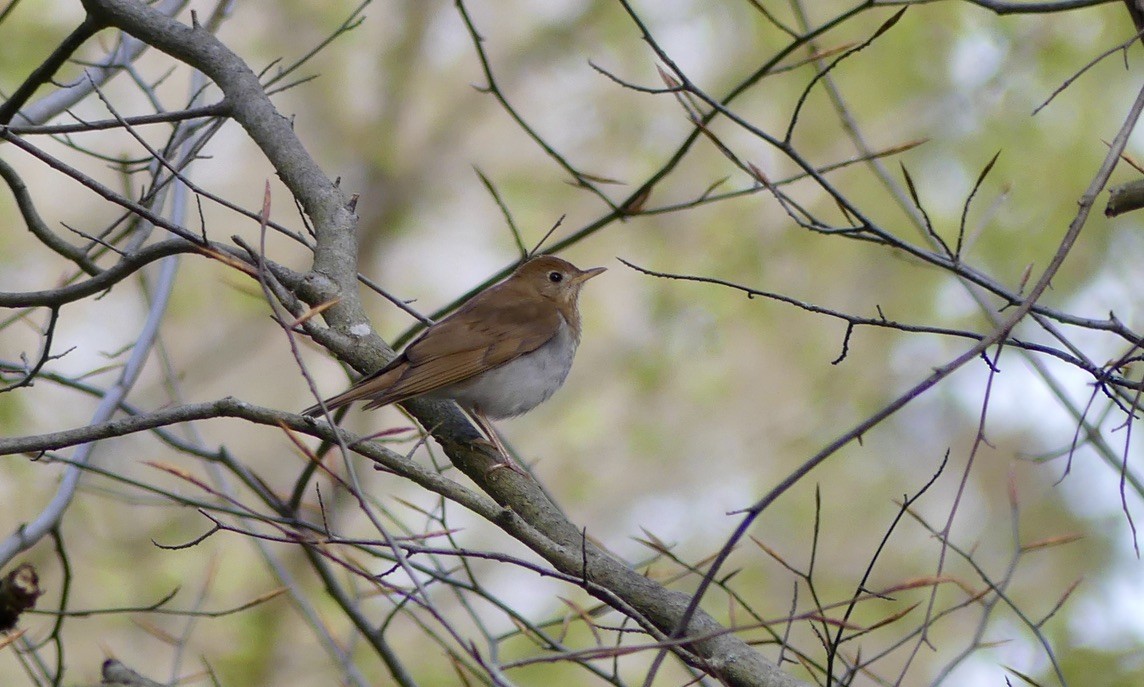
{"x":687,"y":401}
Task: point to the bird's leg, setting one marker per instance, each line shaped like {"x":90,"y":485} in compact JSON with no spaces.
{"x":486,"y":426}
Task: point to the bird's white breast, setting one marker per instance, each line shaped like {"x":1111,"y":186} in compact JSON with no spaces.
{"x":521,"y":384}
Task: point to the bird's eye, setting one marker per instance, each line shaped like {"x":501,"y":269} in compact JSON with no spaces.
{"x":555,"y":277}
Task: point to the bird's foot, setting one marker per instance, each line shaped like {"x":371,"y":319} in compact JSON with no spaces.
{"x":505,"y":461}
{"x":507,"y":464}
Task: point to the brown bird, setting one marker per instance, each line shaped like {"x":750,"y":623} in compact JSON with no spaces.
{"x":502,"y":353}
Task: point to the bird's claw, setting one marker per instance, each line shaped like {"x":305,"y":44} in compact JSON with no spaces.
{"x":507,"y":464}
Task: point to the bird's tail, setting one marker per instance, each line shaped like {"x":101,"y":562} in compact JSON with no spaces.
{"x":334,"y":402}
{"x":372,"y":387}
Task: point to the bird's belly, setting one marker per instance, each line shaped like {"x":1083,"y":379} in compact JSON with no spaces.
{"x":519,"y":385}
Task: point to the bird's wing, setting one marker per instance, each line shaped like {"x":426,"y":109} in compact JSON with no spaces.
{"x":483,"y":334}
{"x":471,"y":341}
{"x":501,"y":331}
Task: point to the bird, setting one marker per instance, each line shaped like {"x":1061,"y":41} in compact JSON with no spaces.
{"x":502,"y":353}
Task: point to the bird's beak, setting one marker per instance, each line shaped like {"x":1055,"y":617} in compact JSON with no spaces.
{"x":588,"y":274}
